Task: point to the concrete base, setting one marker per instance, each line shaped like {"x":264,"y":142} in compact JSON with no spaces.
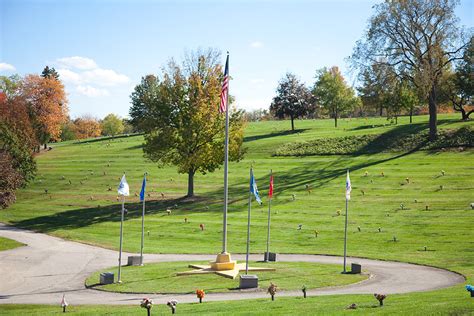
{"x":269,"y":256}
{"x":134,"y":261}
{"x":223,"y":262}
{"x":248,"y":281}
{"x":356,"y":268}
{"x":106,"y":278}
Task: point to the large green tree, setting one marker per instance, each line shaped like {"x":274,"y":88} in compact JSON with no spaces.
{"x":293,"y":99}
{"x":333,"y":94}
{"x":419,"y":39}
{"x":459,"y":86}
{"x":111,"y":125}
{"x":178,"y":111}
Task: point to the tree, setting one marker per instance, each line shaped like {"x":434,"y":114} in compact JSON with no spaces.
{"x":459,"y":87}
{"x":50,"y":73}
{"x":376,"y":82}
{"x":111,"y":125}
{"x":68,"y":130}
{"x":419,"y":39}
{"x":178,"y":111}
{"x":293,"y":99}
{"x":86,"y":127}
{"x":47,"y":105}
{"x":332,"y":93}
{"x":401,"y":97}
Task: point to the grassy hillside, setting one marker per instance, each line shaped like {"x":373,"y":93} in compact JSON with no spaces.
{"x":436,"y":210}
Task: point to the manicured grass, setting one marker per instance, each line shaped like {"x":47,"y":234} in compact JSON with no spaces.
{"x":6,"y":244}
{"x":436,"y":208}
{"x":453,"y":302}
{"x":161,"y":278}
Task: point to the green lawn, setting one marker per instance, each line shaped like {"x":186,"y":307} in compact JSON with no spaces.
{"x":288,"y":276}
{"x":436,"y":209}
{"x":454,"y":302}
{"x":6,"y":244}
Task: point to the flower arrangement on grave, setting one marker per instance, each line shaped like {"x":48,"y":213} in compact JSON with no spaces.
{"x":64,"y":304}
{"x":352,"y":306}
{"x":172,"y":304}
{"x":470,"y":289}
{"x":272,"y":289}
{"x":380,"y":298}
{"x":148,"y":304}
{"x":200,"y":295}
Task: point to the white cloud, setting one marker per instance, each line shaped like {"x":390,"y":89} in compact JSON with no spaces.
{"x":104,"y":77}
{"x":84,"y":76}
{"x":91,"y":91}
{"x":6,"y":67}
{"x":78,"y":62}
{"x":256,"y":44}
{"x":69,"y":76}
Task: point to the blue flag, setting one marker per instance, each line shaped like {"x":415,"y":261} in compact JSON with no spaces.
{"x":142,"y":192}
{"x":253,"y":187}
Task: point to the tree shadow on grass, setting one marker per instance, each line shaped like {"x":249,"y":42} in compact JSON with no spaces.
{"x":87,"y":216}
{"x":286,"y":182}
{"x":269,"y":135}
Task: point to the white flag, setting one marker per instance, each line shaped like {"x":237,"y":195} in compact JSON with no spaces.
{"x":348,"y":187}
{"x":123,"y":188}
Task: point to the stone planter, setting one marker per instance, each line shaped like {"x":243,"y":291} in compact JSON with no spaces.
{"x":356,"y":268}
{"x":134,"y":261}
{"x":106,"y":278}
{"x":269,"y":256}
{"x":248,"y":281}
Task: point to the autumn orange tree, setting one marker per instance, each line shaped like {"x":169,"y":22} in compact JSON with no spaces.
{"x":47,"y":103}
{"x":86,"y":127}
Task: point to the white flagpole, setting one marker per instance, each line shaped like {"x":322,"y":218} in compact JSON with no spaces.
{"x":345,"y":240}
{"x":226,"y":167}
{"x":248,"y":229}
{"x":143,"y":222}
{"x":268,"y":229}
{"x":345,"y":228}
{"x":121,"y":234}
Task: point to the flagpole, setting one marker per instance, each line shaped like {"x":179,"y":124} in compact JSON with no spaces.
{"x":121,"y":233}
{"x":143,"y":224}
{"x":248,"y":229}
{"x":345,"y":231}
{"x":345,"y":240}
{"x":268,"y":229}
{"x":226,"y":168}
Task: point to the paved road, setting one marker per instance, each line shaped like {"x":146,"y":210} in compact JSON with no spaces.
{"x":47,"y":267}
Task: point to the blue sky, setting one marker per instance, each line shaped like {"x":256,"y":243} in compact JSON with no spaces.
{"x":103,"y":48}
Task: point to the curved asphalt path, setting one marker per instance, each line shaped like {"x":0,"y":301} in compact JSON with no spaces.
{"x":47,"y":267}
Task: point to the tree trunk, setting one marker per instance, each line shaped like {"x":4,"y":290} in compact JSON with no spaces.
{"x":381,"y":110}
{"x":190,"y":183}
{"x":433,"y":114}
{"x":45,"y":146}
{"x":292,"y":123}
{"x":335,"y":117}
{"x":411,"y":115}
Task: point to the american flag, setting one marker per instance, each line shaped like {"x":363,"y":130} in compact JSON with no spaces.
{"x":225,"y":88}
{"x":270,"y":190}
